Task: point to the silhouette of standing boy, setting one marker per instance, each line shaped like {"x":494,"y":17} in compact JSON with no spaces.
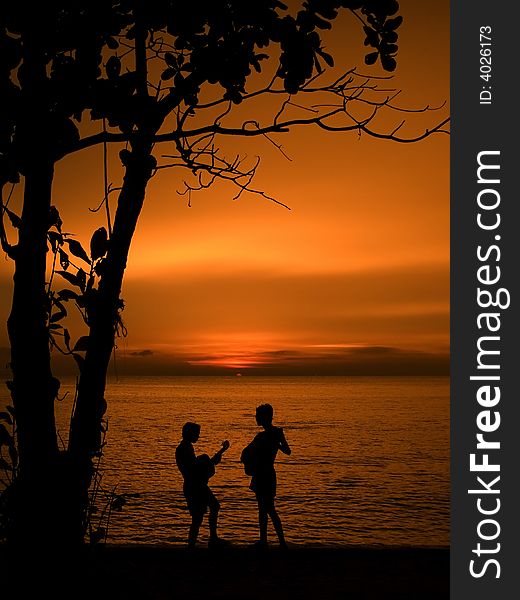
{"x":258,"y":459}
{"x":196,"y":471}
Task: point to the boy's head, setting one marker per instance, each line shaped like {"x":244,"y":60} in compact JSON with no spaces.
{"x":190,"y":432}
{"x":264,"y":415}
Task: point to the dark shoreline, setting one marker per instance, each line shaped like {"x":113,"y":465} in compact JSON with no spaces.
{"x":240,"y":573}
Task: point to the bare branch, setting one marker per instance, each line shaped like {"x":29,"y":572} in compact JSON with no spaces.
{"x":279,"y":147}
{"x":350,"y":103}
{"x":439,"y":128}
{"x":340,"y":98}
{"x":109,"y":190}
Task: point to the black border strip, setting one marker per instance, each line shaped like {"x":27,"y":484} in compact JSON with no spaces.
{"x":485,"y":127}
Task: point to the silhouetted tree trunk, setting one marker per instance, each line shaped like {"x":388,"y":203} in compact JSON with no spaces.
{"x":33,"y":387}
{"x":51,"y":492}
{"x":105,"y":304}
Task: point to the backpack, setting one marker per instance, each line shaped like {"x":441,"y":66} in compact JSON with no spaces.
{"x":248,"y":459}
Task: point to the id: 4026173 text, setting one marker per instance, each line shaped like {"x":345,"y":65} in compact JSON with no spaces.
{"x":485,"y":64}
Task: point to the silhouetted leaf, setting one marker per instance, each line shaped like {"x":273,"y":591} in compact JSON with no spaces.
{"x":70,"y":277}
{"x":389,"y":63}
{"x":371,"y":58}
{"x":54,"y":219}
{"x":112,"y":43}
{"x":56,"y":239}
{"x":62,"y":311}
{"x":58,"y":316}
{"x":99,"y":243}
{"x":82,"y":278}
{"x":372,"y":38}
{"x":90,"y":284}
{"x":66,"y":294}
{"x":113,"y":67}
{"x":326,"y":57}
{"x":5,"y":416}
{"x":77,"y":249}
{"x":391,"y":7}
{"x":82,"y":344}
{"x":14,"y":218}
{"x":118,"y":502}
{"x":390,"y":37}
{"x":125,"y":156}
{"x":388,"y":48}
{"x":64,"y":259}
{"x":100,"y":267}
{"x":170,"y":59}
{"x":66,"y":338}
{"x":393,"y":24}
{"x":4,"y":464}
{"x":167,"y":74}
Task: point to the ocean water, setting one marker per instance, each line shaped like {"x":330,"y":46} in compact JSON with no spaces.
{"x":369,"y":463}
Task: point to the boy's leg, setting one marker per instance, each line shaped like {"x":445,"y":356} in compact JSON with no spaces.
{"x":277,"y":523}
{"x":214,"y":507}
{"x":197,"y":510}
{"x":262,"y":519}
{"x":196,"y":522}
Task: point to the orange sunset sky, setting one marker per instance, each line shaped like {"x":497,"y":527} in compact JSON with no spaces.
{"x":353,"y":279}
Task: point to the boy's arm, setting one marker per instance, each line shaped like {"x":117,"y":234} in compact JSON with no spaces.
{"x":185,"y":459}
{"x":218,"y":455}
{"x":284,"y":446}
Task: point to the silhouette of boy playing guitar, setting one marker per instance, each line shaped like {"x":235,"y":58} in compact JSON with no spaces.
{"x":197,"y":471}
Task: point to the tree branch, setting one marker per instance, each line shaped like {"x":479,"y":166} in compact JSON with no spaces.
{"x":349,"y":89}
